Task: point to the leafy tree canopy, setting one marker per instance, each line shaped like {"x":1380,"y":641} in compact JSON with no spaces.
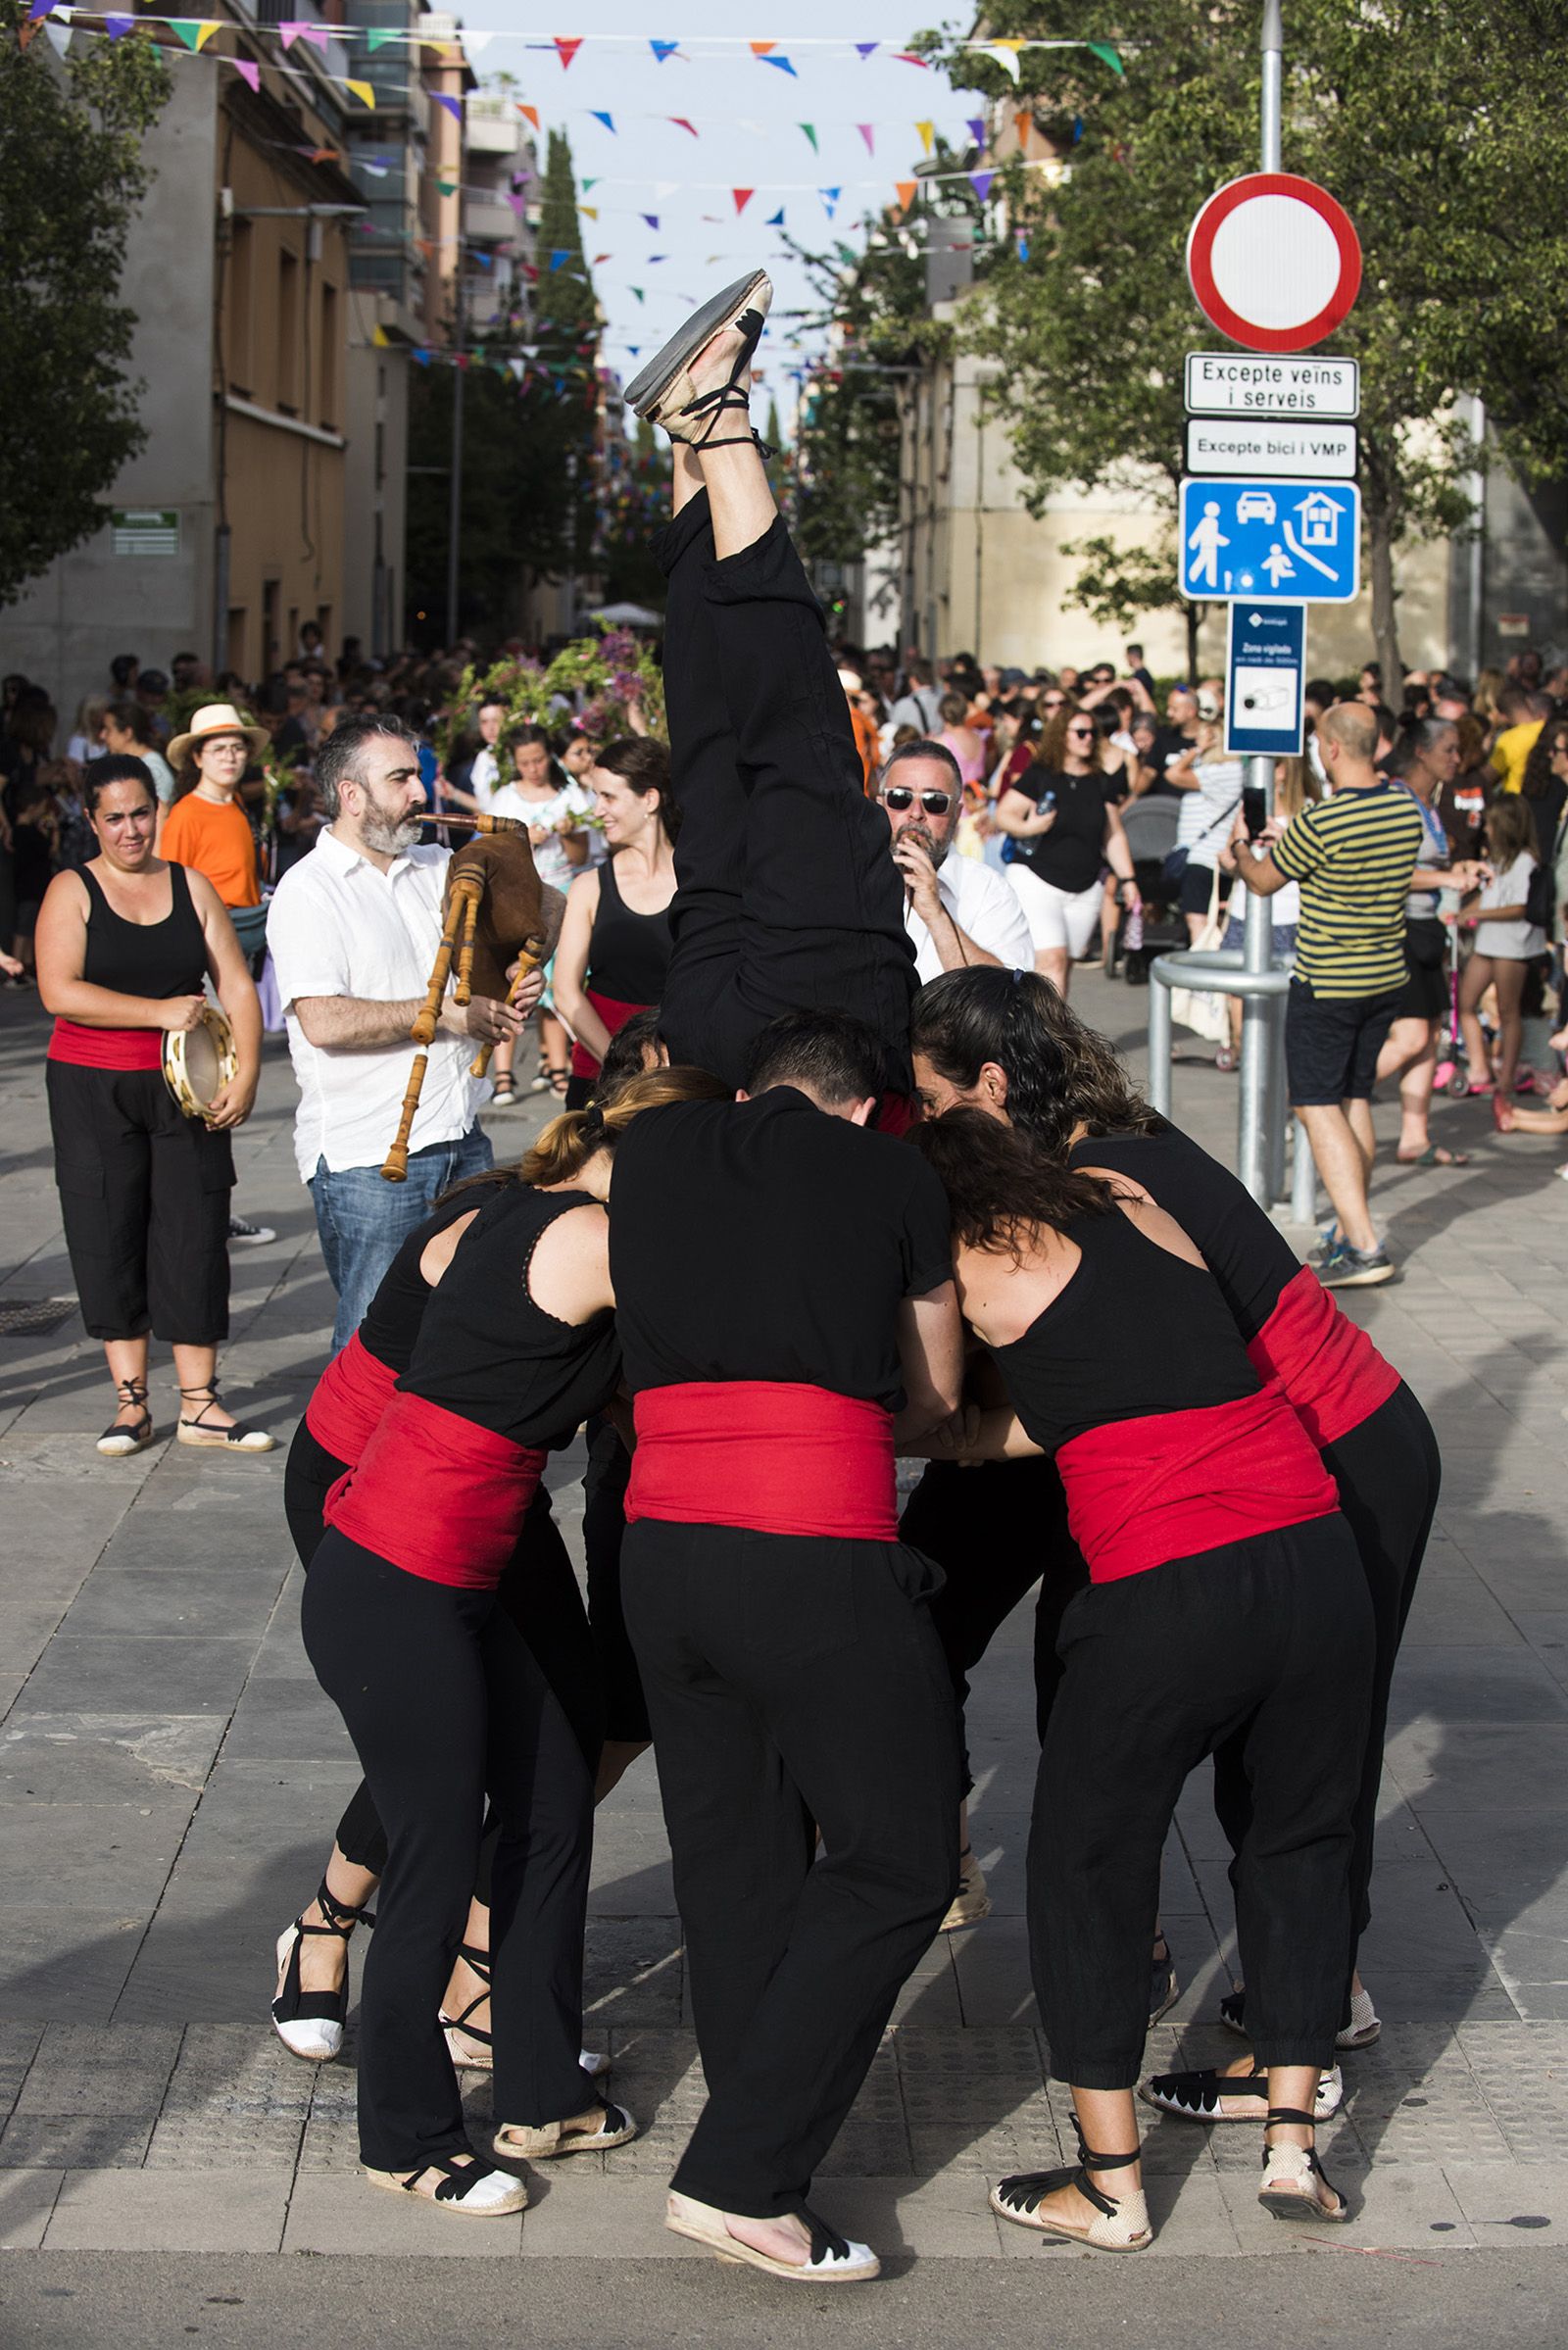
{"x":1430,"y":126}
{"x":72,"y":173}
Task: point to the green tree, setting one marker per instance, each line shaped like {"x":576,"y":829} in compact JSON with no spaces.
{"x":874,"y":306}
{"x":1427,"y":124}
{"x":72,"y":173}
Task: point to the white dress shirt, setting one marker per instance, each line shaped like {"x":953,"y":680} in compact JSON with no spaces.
{"x":338,"y":926}
{"x":985,"y":908}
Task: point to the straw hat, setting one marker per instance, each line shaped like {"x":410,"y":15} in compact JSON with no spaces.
{"x":218,"y":717}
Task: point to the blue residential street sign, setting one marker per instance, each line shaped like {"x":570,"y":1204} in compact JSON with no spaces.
{"x":1300,"y":538}
{"x":1264,"y":662}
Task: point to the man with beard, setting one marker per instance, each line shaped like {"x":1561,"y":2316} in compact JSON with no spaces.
{"x":957,"y":910}
{"x":354,"y":929}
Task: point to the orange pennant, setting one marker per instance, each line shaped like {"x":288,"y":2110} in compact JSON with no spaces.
{"x":906,"y":189}
{"x":529,"y":112}
{"x":1023,"y":124}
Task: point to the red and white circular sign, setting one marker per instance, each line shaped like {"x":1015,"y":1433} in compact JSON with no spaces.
{"x":1274,"y":262}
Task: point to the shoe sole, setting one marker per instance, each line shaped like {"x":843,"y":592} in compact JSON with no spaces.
{"x":1163,"y":2005}
{"x":1353,"y":2040}
{"x":1370,"y":1277}
{"x":972,"y":1916}
{"x":458,"y":2211}
{"x":220,"y":1444}
{"x":600,"y":2143}
{"x":124,"y":1452}
{"x":745,"y":2256}
{"x":646,"y":389}
{"x":1285,"y":2206}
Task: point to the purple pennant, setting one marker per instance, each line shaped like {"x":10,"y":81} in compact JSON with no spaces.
{"x":118,"y":26}
{"x":868,"y":48}
{"x":454,"y":106}
{"x":652,"y":217}
{"x":40,"y":8}
{"x":976,"y":127}
{"x":980,"y":181}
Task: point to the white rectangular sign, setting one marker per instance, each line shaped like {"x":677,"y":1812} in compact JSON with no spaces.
{"x":1245,"y":383}
{"x":1300,"y":452}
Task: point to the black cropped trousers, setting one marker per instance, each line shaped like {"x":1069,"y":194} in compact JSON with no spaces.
{"x":788,"y":896}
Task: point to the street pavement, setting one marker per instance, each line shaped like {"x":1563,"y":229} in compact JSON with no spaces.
{"x":171,"y":1776}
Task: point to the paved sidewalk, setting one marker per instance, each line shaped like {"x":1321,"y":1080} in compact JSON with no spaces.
{"x":170,"y":1776}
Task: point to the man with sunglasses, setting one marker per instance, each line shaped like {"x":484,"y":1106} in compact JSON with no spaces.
{"x":957,"y":910}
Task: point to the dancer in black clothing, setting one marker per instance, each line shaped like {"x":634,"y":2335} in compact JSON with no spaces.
{"x":793,"y":1679}
{"x":538,"y":1589}
{"x":1020,"y":1055}
{"x":1225,"y":1600}
{"x":441,"y":1695}
{"x":788,"y":900}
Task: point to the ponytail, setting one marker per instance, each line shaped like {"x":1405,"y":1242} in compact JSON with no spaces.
{"x":570,"y":1141}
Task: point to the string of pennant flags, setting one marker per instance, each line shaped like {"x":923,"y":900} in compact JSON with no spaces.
{"x":196,"y":32}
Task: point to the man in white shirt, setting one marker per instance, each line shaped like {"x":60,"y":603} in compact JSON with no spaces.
{"x":957,"y":910}
{"x":354,"y":929}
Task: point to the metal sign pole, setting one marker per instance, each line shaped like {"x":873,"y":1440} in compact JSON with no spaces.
{"x":1260,"y":1034}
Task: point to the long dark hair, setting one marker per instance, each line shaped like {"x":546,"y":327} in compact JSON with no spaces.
{"x":999,"y":1187}
{"x":1061,"y":1075}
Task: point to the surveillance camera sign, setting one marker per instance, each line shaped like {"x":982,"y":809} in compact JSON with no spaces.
{"x":1264,"y":667}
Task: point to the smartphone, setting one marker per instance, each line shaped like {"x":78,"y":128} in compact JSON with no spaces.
{"x":1254,"y":809}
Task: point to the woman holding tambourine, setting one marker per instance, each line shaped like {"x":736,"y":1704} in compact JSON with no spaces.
{"x":142,"y":1155}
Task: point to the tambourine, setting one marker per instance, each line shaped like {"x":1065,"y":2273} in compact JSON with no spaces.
{"x":199,"y":1062}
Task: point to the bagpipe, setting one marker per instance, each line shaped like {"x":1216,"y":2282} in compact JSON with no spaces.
{"x":492,"y":918}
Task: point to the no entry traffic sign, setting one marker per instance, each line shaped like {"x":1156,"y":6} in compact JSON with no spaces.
{"x":1274,"y":262}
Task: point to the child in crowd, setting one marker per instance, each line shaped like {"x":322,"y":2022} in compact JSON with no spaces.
{"x":1506,"y":942}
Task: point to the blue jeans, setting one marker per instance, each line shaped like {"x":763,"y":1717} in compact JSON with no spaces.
{"x":364,"y":1220}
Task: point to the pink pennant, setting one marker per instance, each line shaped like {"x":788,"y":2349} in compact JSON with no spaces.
{"x":249,"y":72}
{"x":681,"y":124}
{"x":867,"y":132}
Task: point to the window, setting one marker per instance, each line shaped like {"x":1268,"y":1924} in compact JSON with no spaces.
{"x":288,"y":332}
{"x":326,"y":414}
{"x":240,"y":340}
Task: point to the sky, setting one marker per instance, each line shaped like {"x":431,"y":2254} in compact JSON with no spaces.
{"x":746,"y":116}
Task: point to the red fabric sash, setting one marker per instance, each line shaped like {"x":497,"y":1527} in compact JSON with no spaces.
{"x":772,"y":1455}
{"x":1329,"y":1368}
{"x":106,"y":1047}
{"x":1167,"y":1485}
{"x":897,"y":1114}
{"x":614,"y":1016}
{"x":351,"y":1394}
{"x":437,"y":1495}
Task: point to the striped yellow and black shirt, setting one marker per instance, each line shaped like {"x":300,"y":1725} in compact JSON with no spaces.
{"x":1353,"y":856}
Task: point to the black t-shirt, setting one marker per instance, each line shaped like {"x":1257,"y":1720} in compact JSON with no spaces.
{"x":764,"y":1240}
{"x":1070,"y":854}
{"x":1170,"y":743}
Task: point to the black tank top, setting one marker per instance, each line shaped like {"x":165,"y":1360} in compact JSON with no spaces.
{"x":628,"y":954}
{"x":1136,"y":1332}
{"x":1243,"y":1246}
{"x":152,"y":958}
{"x":486,"y":1351}
{"x":392,"y":1319}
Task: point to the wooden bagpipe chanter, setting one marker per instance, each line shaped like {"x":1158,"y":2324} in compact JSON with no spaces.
{"x":492,"y":919}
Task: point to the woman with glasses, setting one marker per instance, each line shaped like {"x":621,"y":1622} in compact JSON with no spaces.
{"x":1064,"y":829}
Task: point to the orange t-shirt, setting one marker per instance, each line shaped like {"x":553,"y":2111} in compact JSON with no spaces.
{"x":868,"y":742}
{"x":213,"y":837}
